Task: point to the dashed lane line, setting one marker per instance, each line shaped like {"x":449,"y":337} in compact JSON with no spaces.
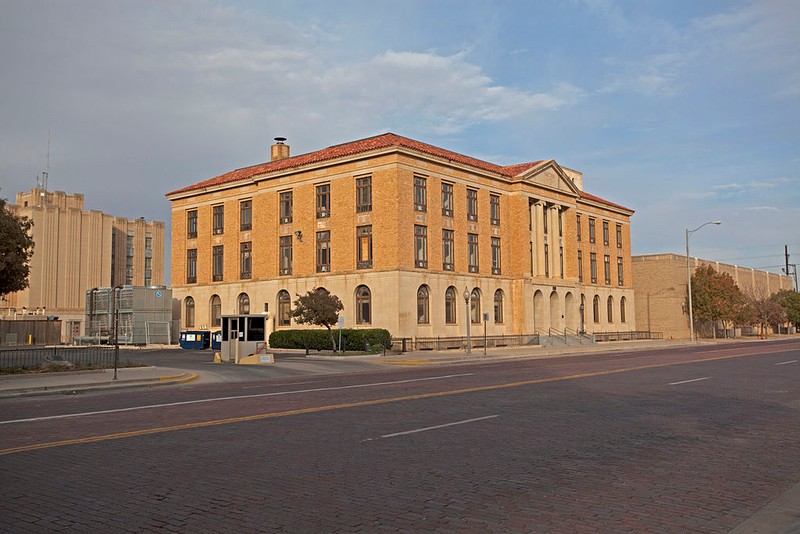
{"x":688,"y":381}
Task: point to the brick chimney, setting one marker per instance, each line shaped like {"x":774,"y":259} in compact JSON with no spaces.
{"x":279,"y":149}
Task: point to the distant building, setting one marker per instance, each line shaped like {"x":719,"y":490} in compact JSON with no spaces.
{"x":660,"y":284}
{"x":77,"y":250}
{"x":400,"y":230}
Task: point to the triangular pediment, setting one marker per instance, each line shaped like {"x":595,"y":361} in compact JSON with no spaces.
{"x":550,"y":175}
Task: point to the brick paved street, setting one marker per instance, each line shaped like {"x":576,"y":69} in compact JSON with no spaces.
{"x":607,"y":443}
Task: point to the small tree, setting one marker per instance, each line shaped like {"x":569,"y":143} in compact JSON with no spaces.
{"x":318,"y":307}
{"x":768,"y":313}
{"x":716,"y":297}
{"x":16,"y":249}
{"x":790,"y":300}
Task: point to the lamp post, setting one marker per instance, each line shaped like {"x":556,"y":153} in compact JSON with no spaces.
{"x":468,"y":319}
{"x":115,"y":317}
{"x":689,"y":276}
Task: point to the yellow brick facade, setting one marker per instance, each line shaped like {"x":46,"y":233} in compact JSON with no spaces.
{"x":536,"y":294}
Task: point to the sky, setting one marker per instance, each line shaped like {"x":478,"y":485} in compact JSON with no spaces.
{"x":685,"y":111}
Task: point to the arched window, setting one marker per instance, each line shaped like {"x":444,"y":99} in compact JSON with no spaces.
{"x":450,"y":305}
{"x":498,"y":306}
{"x":622,"y":310}
{"x":244,"y":304}
{"x":596,"y":308}
{"x":216,"y":311}
{"x":284,"y":308}
{"x":475,"y":306}
{"x":423,"y":305}
{"x":188,"y":312}
{"x":363,"y":305}
{"x":610,"y":309}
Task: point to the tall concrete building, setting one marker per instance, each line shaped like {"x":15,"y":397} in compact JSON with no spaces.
{"x":76,"y":250}
{"x":660,"y":283}
{"x":402,"y":232}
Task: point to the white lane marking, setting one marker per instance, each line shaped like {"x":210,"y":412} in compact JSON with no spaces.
{"x":268,"y":385}
{"x":687,"y":381}
{"x":786,"y":363}
{"x":198,"y":401}
{"x":433,"y":427}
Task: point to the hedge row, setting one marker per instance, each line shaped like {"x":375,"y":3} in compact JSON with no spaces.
{"x":361,"y":340}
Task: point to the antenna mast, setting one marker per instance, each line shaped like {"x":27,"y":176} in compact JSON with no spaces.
{"x":46,"y":173}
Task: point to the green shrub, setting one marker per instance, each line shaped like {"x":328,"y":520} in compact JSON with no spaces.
{"x":360,"y":340}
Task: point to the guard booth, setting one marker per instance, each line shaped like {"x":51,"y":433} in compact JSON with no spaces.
{"x":243,"y":335}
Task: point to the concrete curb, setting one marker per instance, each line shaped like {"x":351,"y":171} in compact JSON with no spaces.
{"x":182,"y":378}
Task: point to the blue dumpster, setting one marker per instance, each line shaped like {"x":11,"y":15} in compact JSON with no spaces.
{"x":195,"y":339}
{"x":216,"y":340}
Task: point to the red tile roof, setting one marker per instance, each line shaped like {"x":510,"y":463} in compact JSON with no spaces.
{"x":587,"y":196}
{"x":357,"y":147}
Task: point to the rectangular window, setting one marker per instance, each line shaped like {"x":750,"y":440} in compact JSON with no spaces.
{"x":217,"y":263}
{"x":545,"y":220}
{"x":592,"y":235}
{"x":472,"y":252}
{"x":593,"y":266}
{"x":579,"y":227}
{"x":560,"y":223}
{"x":420,"y":246}
{"x":219,"y":219}
{"x":191,"y":266}
{"x":285,"y":255}
{"x":364,"y":245}
{"x":245,"y":215}
{"x":561,"y":260}
{"x":420,"y":194}
{"x":286,"y":207}
{"x":496,"y":255}
{"x":619,"y":236}
{"x":580,"y":266}
{"x":246,"y":260}
{"x":605,"y":233}
{"x":620,"y":278}
{"x":324,"y":251}
{"x":494,"y":212}
{"x":607,"y":268}
{"x":546,"y":259}
{"x":448,"y":250}
{"x":323,"y":201}
{"x":364,"y":194}
{"x":191,"y":224}
{"x":472,"y":204}
{"x":447,"y":199}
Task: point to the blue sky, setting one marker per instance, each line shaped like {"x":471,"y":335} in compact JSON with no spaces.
{"x":685,"y":111}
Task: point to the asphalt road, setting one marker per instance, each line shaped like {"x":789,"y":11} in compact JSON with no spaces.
{"x":675,"y":440}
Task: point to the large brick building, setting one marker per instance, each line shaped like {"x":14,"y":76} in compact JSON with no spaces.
{"x":76,"y":250}
{"x":400,"y":230}
{"x":661,"y":289}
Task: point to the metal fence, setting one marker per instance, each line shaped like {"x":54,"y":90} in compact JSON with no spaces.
{"x":406,"y":344}
{"x":632,"y":335}
{"x":32,"y":358}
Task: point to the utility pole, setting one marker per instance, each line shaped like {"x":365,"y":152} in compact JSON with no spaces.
{"x":786,"y":254}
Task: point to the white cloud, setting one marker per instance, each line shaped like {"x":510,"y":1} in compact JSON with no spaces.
{"x":762,"y":208}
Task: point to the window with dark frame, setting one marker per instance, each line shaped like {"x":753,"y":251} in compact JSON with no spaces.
{"x":420,"y":194}
{"x":423,"y":305}
{"x":448,"y":250}
{"x":323,"y":201}
{"x":191,"y":224}
{"x":619,"y":236}
{"x":450,"y":305}
{"x":580,"y":266}
{"x":620,"y":278}
{"x":245,"y":215}
{"x":605,"y":233}
{"x":191,"y":266}
{"x":494,"y":209}
{"x":578,"y":232}
{"x":364,"y":194}
{"x":496,"y":264}
{"x":189,"y":312}
{"x":246,"y":260}
{"x":420,"y":246}
{"x":284,"y":308}
{"x":324,"y":251}
{"x":218,"y":264}
{"x":593,"y":267}
{"x":363,"y":305}
{"x":447,"y":199}
{"x":546,"y":259}
{"x":607,"y":268}
{"x":216,"y":311}
{"x":498,"y":306}
{"x":218,"y":219}
{"x":472,"y":204}
{"x":475,"y":306}
{"x":561,"y":260}
{"x":364,"y":246}
{"x":622,"y":310}
{"x":472,"y":252}
{"x":610,"y":309}
{"x":285,"y":207}
{"x":285,"y":255}
{"x":596,"y":308}
{"x":592,"y":235}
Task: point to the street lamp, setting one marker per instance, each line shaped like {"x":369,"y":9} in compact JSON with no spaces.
{"x":468,"y":319}
{"x":689,"y":276}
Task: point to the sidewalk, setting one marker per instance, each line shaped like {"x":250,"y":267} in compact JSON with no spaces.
{"x":67,"y":382}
